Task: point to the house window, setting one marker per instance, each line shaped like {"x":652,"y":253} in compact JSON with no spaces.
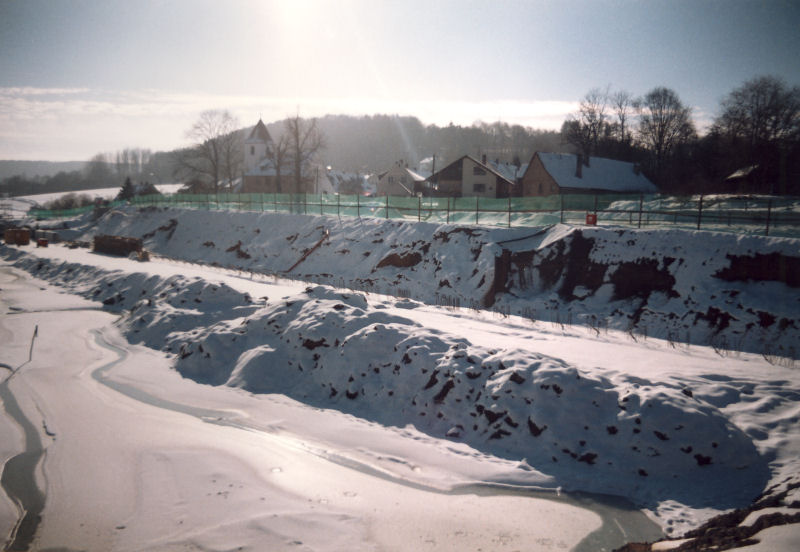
{"x":252,"y":150}
{"x":391,"y":180}
{"x":479,"y":188}
{"x":477,"y":171}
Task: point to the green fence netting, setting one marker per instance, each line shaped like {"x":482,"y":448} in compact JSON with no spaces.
{"x":778,"y":216}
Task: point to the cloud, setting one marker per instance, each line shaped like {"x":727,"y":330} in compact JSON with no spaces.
{"x":31,"y":91}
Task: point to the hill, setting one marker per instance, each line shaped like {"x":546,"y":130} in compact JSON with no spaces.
{"x":33,"y":169}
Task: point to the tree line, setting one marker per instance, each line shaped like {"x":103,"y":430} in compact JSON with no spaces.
{"x":104,"y":170}
{"x":755,"y":137}
{"x":757,"y":133}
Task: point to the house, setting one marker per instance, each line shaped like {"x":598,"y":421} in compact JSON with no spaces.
{"x":565,"y":173}
{"x":468,"y":177}
{"x":400,"y":181}
{"x":327,"y":180}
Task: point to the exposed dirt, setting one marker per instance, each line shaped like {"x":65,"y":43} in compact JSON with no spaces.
{"x":725,"y":532}
{"x":404,"y":260}
{"x":758,"y":267}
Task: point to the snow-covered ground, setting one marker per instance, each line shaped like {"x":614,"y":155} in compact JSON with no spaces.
{"x":17,"y":207}
{"x":406,"y":397}
{"x":138,"y":458}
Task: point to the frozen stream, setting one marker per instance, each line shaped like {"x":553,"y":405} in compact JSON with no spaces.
{"x":130,"y":461}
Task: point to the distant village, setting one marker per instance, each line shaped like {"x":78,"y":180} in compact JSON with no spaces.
{"x":544,"y":174}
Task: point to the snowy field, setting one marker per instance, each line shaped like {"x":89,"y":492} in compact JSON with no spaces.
{"x":182,"y":404}
{"x":17,"y":207}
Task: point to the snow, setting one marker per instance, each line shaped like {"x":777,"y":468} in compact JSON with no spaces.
{"x":306,"y":381}
{"x":783,"y":537}
{"x":601,"y":174}
{"x":105,"y":193}
{"x":122,"y":474}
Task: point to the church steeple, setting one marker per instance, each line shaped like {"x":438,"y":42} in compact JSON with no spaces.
{"x":260,"y":133}
{"x":257,"y":146}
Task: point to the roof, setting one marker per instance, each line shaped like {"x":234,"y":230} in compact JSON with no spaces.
{"x":415,"y":176}
{"x":259,"y":133}
{"x":509,"y":171}
{"x":461,"y":160}
{"x":742,"y":173}
{"x":266,"y":167}
{"x":601,"y":174}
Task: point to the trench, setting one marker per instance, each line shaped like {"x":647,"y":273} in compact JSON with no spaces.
{"x":621,"y":523}
{"x":18,"y":479}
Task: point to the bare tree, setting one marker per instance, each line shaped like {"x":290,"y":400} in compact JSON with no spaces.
{"x":664,"y":124}
{"x":623,"y":104}
{"x":217,"y":153}
{"x":584,"y":129}
{"x":763,"y":110}
{"x":279,"y":157}
{"x":303,"y":141}
{"x":98,"y":171}
{"x":760,"y":122}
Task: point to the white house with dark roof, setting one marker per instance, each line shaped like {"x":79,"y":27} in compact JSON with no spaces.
{"x":468,"y":177}
{"x":400,"y":181}
{"x":566,"y":173}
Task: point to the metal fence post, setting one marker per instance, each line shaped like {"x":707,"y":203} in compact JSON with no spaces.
{"x":358,"y":206}
{"x":769,"y":214}
{"x":477,"y":208}
{"x":419,"y":208}
{"x":448,"y":210}
{"x":387,"y":206}
{"x":641,"y":203}
{"x":561,"y":200}
{"x":509,"y":210}
{"x":699,"y":211}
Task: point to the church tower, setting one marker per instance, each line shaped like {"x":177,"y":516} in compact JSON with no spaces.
{"x":256,"y":147}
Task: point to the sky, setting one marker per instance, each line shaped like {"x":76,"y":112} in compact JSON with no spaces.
{"x":84,"y":77}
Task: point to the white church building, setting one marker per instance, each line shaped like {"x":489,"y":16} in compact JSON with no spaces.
{"x":261,"y":175}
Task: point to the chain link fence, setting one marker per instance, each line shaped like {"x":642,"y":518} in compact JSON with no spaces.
{"x":764,"y":215}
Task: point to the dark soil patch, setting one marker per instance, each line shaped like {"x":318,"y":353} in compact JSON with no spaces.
{"x":579,"y":269}
{"x":641,"y":278}
{"x":238,"y":249}
{"x":717,"y":319}
{"x":773,"y":267}
{"x":169,"y":227}
{"x":405,"y":260}
{"x":445,"y":236}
